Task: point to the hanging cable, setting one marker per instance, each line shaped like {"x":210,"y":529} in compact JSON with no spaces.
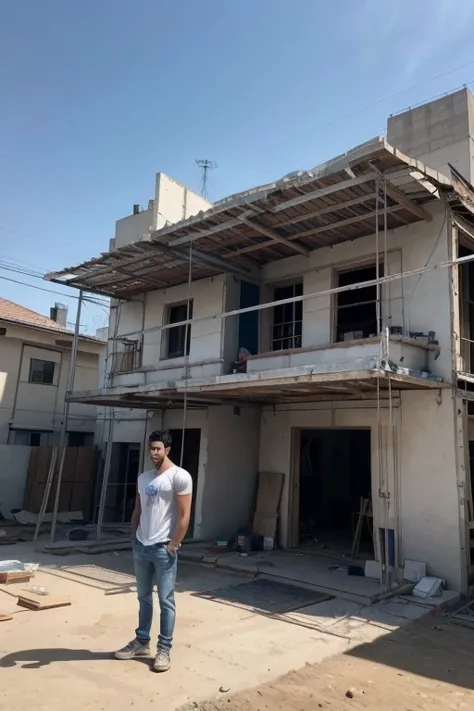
{"x":187,"y":349}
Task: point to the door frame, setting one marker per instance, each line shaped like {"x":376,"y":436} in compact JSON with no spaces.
{"x":294,"y":480}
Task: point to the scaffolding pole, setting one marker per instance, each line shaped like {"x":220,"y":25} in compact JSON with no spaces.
{"x":62,"y":441}
{"x":105,"y":478}
{"x":63,"y":437}
{"x":186,"y":354}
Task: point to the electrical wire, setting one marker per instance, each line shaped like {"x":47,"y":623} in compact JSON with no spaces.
{"x":52,"y":291}
{"x":355,"y":112}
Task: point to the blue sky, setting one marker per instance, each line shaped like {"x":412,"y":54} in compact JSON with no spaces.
{"x":99,"y":95}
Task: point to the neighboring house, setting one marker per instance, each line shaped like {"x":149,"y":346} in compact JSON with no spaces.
{"x":359,"y":381}
{"x":35,"y":354}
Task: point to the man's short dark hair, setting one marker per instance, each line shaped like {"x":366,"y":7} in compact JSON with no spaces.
{"x":160,"y":436}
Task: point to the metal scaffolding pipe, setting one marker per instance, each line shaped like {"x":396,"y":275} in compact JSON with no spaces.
{"x":69,"y":389}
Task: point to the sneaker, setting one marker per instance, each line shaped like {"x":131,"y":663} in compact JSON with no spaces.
{"x":162,"y":661}
{"x":133,"y":649}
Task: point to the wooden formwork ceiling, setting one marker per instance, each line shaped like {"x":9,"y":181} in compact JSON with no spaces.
{"x":338,"y":201}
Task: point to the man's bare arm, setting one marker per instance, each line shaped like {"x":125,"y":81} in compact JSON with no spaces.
{"x":184,"y":514}
{"x":135,"y":521}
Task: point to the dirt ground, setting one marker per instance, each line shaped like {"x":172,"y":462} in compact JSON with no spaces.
{"x":224,"y":657}
{"x":420,"y":668}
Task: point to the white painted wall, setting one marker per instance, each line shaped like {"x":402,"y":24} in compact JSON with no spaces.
{"x":39,"y":406}
{"x":13,"y":475}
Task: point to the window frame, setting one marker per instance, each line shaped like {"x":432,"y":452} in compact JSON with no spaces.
{"x":345,"y":269}
{"x":32,"y":369}
{"x":296,"y":336}
{"x":186,"y":330}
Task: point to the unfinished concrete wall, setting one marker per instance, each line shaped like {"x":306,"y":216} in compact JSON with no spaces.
{"x":427,"y":511}
{"x":134,"y":228}
{"x":418,"y":303}
{"x":13,"y":474}
{"x":429,"y":496}
{"x":438,"y":133}
{"x":276,"y":444}
{"x":175,"y":201}
{"x":231,"y":474}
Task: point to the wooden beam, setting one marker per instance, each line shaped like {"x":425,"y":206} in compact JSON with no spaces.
{"x":274,"y":236}
{"x":343,"y":223}
{"x":198,"y":234}
{"x":337,"y":187}
{"x":210,"y":260}
{"x":327,"y":210}
{"x":401,"y":198}
{"x":408,"y":204}
{"x":315,"y":231}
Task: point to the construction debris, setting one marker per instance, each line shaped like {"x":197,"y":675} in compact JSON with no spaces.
{"x":38,"y":602}
{"x":19,"y":576}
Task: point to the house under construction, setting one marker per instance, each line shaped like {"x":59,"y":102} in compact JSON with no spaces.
{"x":346,"y":289}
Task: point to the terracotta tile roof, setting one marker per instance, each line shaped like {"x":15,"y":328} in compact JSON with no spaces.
{"x":9,"y":311}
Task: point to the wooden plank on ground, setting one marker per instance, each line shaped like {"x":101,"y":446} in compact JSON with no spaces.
{"x":42,"y":602}
{"x":17,"y":576}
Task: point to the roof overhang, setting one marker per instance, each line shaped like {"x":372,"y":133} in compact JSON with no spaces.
{"x":337,"y":201}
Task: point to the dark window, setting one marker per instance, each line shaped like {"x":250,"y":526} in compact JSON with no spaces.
{"x":179,"y":338}
{"x":41,"y":371}
{"x":287,"y":318}
{"x":35,"y":439}
{"x":80,"y":439}
{"x":356,"y":315}
{"x":30,"y":438}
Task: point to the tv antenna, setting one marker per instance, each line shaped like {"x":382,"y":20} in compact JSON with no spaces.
{"x":205,"y":165}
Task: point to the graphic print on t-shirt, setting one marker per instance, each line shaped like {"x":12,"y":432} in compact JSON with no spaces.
{"x":159,"y":506}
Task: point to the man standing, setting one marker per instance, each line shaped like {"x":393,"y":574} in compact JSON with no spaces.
{"x":159,"y":523}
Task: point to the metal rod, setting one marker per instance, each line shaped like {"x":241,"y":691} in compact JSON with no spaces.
{"x":386,"y":268}
{"x":69,"y":389}
{"x":47,"y":489}
{"x":105,"y":478}
{"x":378,"y":309}
{"x":186,"y":355}
{"x":304,"y":297}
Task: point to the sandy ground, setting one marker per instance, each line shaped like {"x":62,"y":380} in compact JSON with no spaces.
{"x":53,"y":656}
{"x":422,"y":668}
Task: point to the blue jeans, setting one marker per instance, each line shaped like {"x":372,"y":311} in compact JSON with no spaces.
{"x":153,"y":564}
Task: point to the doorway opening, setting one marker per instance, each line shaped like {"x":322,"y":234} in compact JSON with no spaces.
{"x":334,"y":485}
{"x":122,"y":482}
{"x":192,"y":446}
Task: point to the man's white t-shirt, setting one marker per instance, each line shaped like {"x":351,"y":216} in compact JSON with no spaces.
{"x":158,"y":494}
